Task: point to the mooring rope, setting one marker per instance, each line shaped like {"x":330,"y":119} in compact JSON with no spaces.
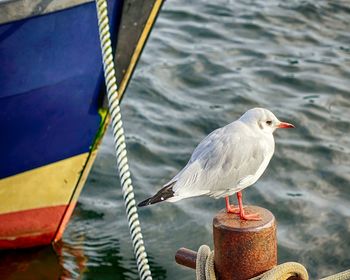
{"x":205,"y":269}
{"x":285,"y":271}
{"x":345,"y":275}
{"x":205,"y":264}
{"x":119,"y":141}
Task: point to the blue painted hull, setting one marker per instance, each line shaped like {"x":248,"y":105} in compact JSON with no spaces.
{"x":51,"y":86}
{"x":51,"y":107}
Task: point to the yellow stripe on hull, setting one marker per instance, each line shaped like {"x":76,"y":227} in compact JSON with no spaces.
{"x":50,"y":185}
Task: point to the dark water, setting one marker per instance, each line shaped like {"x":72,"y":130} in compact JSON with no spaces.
{"x":205,"y":64}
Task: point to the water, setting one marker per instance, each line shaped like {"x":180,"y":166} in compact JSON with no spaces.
{"x":204,"y":65}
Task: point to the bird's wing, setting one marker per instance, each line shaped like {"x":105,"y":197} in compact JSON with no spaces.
{"x":223,"y":163}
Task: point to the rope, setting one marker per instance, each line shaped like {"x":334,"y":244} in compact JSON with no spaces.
{"x":119,"y":142}
{"x":205,"y":264}
{"x":284,"y":271}
{"x":205,"y":269}
{"x":345,"y":275}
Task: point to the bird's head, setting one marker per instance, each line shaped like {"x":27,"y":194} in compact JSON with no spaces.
{"x":263,"y":119}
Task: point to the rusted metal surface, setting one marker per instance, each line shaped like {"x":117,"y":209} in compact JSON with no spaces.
{"x":244,"y":249}
{"x":186,"y":257}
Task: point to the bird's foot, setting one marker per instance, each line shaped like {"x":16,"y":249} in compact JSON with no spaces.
{"x":232,"y":210}
{"x":249,"y":217}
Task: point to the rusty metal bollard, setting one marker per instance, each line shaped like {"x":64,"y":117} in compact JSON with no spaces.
{"x":243,"y":249}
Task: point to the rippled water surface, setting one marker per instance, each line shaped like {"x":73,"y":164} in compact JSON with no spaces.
{"x":206,"y":63}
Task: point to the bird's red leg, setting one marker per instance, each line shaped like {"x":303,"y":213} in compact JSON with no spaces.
{"x":229,"y":208}
{"x":242,"y":215}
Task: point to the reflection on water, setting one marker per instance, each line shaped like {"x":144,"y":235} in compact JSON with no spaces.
{"x":85,"y":254}
{"x":31,"y":264}
{"x":94,"y":250}
{"x":205,"y":64}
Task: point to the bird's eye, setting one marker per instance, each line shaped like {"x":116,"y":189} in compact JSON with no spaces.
{"x":268,"y":122}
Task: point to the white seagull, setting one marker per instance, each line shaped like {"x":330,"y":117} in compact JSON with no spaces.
{"x":227,"y":161}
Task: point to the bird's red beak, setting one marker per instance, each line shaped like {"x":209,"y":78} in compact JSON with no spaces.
{"x":285,"y":125}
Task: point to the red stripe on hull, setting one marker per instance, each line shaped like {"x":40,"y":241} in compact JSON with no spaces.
{"x":30,"y":228}
{"x":65,"y":221}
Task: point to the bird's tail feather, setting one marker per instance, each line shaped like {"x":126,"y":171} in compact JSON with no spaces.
{"x":162,"y":195}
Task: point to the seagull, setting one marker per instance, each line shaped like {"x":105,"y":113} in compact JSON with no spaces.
{"x":226,"y":161}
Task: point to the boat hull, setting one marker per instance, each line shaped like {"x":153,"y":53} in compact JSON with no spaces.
{"x":30,"y":228}
{"x":52,"y":106}
{"x":51,"y":119}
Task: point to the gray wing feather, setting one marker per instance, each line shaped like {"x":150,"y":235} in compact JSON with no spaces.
{"x":218,"y":166}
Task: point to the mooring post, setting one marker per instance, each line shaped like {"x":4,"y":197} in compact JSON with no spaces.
{"x":242,"y":249}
